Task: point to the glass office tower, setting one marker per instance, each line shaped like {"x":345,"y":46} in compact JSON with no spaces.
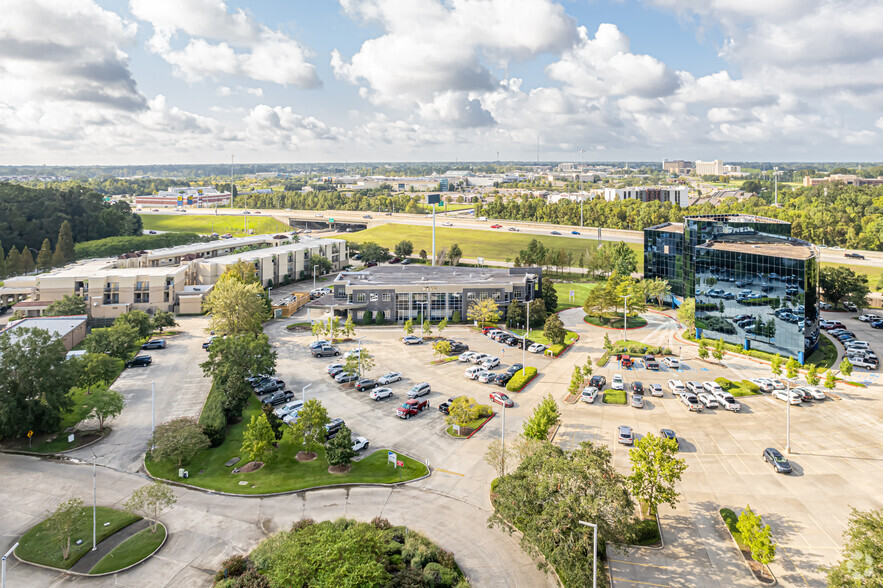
{"x":754,"y":285}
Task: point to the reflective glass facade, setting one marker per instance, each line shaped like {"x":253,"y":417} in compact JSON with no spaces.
{"x":754,"y":285}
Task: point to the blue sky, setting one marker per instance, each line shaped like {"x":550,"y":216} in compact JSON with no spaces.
{"x":163,"y":81}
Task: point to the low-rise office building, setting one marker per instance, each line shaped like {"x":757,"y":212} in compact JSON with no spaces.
{"x":173,"y":279}
{"x":403,"y":292}
{"x":754,"y":284}
{"x":679,"y":195}
{"x":70,"y":329}
{"x":203,"y":196}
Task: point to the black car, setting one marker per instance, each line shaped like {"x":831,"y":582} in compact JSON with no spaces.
{"x":854,"y":255}
{"x":777,"y":460}
{"x":365,"y":384}
{"x":669,"y":434}
{"x":269,"y":386}
{"x":333,"y":427}
{"x":277,"y":398}
{"x":598,"y":382}
{"x":805,"y":396}
{"x":638,"y":388}
{"x":503,"y":379}
{"x":511,"y":340}
{"x":334,"y":372}
{"x":523,"y":343}
{"x":458,"y":348}
{"x":445,"y":407}
{"x":154,"y":344}
{"x":140,"y":361}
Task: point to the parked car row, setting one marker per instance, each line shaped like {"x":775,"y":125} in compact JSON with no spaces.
{"x":513,"y":340}
{"x":857,"y":351}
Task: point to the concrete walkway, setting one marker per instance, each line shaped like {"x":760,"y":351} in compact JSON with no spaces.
{"x":88,"y":561}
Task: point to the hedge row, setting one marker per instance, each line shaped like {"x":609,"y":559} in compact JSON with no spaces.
{"x":212,"y":417}
{"x":520,"y":379}
{"x":114,"y":246}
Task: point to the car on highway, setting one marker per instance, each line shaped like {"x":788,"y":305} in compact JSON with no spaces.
{"x":380,"y":393}
{"x":497,"y":226}
{"x":365,"y":384}
{"x":487,"y":377}
{"x":448,"y":224}
{"x":411,"y":407}
{"x":671,"y":363}
{"x":155,"y":344}
{"x":624,"y":435}
{"x":669,"y":434}
{"x":412,"y":340}
{"x":500,"y":398}
{"x":589,"y":394}
{"x":637,"y":401}
{"x":617,"y":383}
{"x":140,"y":361}
{"x":556,"y":233}
{"x":417,"y":390}
{"x":389,"y":378}
{"x":655,"y":389}
{"x":360,"y":444}
{"x":537,"y":348}
{"x":854,"y":255}
{"x":366,"y":216}
{"x":514,"y":229}
{"x":773,"y":457}
{"x":574,"y":232}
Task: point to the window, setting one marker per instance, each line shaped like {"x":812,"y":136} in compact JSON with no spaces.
{"x":496,"y":295}
{"x":470,"y":296}
{"x":360,"y":297}
{"x":373,"y":297}
{"x":386,"y":297}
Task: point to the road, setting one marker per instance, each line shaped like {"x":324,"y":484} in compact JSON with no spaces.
{"x":459,"y":220}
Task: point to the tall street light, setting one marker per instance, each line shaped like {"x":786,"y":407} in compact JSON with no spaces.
{"x":303,"y":392}
{"x":503,"y":441}
{"x":94,"y":501}
{"x":581,"y":199}
{"x":594,"y":552}
{"x":359,"y":339}
{"x":625,"y":310}
{"x":315,"y":267}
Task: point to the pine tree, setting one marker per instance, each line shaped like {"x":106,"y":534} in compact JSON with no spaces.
{"x":2,"y":263}
{"x":65,"y":244}
{"x":13,"y":262}
{"x":27,"y":260}
{"x":44,"y":258}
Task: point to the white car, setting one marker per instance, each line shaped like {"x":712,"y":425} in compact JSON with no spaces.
{"x":712,"y":387}
{"x":490,"y":362}
{"x":360,"y":444}
{"x":485,"y":377}
{"x":617,"y":383}
{"x":389,"y":378}
{"x":783,"y":395}
{"x":479,"y":357}
{"x":671,"y":363}
{"x":778,"y":384}
{"x":694,"y":387}
{"x":708,"y":400}
{"x":473,"y":372}
{"x":862,"y":362}
{"x":862,"y":345}
{"x":412,"y":340}
{"x":448,"y":224}
{"x":537,"y":348}
{"x":353,"y":353}
{"x":866,"y":318}
{"x":655,"y":390}
{"x":290,"y":418}
{"x":492,"y":332}
{"x":589,"y":394}
{"x":466,"y":356}
{"x":676,"y":386}
{"x":380,"y":393}
{"x":816,"y":393}
{"x":764,"y":385}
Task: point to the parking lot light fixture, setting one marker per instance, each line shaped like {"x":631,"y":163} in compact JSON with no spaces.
{"x":625,"y":310}
{"x":524,"y":338}
{"x":304,"y":392}
{"x":315,"y":267}
{"x":594,"y":552}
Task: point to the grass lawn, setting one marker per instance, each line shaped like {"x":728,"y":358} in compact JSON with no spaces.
{"x":615,"y":322}
{"x":498,"y":246}
{"x":874,"y":273}
{"x":284,"y":473}
{"x":743,"y":388}
{"x":536,"y":335}
{"x":37,"y":546}
{"x":206,"y":224}
{"x":730,"y":519}
{"x":580,"y":292}
{"x":612,"y":396}
{"x":131,"y":551}
{"x":825,"y":355}
{"x":471,"y":425}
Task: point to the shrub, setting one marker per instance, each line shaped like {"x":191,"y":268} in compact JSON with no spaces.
{"x":519,"y":381}
{"x":436,"y":575}
{"x":212,"y":418}
{"x":484,"y":411}
{"x":725,"y":383}
{"x":367,"y":317}
{"x":455,"y":317}
{"x":751,"y":386}
{"x":380,"y":318}
{"x":646,"y":532}
{"x":232,"y":567}
{"x":251,"y":579}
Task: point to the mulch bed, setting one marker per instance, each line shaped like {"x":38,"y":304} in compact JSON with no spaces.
{"x":756,"y":568}
{"x":306,"y":456}
{"x":251,"y":466}
{"x":339,"y":469}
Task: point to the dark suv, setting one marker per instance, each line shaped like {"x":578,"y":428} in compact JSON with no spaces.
{"x":333,"y":427}
{"x":597,"y":382}
{"x":140,"y":361}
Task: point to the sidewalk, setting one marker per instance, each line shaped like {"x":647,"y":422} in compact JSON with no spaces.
{"x":88,"y":561}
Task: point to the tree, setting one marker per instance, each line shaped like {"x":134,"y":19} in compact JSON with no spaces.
{"x":333,"y":328}
{"x":95,"y":368}
{"x":349,"y":327}
{"x":483,"y":311}
{"x":27,"y":260}
{"x":310,"y":425}
{"x":687,"y":315}
{"x":236,"y":307}
{"x":549,"y":295}
{"x":44,"y":257}
{"x":812,"y":374}
{"x":339,"y":450}
{"x":404,"y":249}
{"x":275,"y":422}
{"x":34,"y":383}
{"x":258,"y":438}
{"x":455,"y":317}
{"x":427,"y":328}
{"x":545,"y":416}
{"x":13,"y":262}
{"x":846,"y":367}
{"x":454,"y":254}
{"x":792,"y":368}
{"x":776,"y":365}
{"x":408,"y":327}
{"x":625,"y":260}
{"x":442,"y":348}
{"x":608,"y":345}
{"x":233,"y":359}
{"x":718,"y":351}
{"x":62,"y":521}
{"x":68,"y":306}
{"x":320,"y":263}
{"x":703,"y":349}
{"x":150,"y":500}
{"x":139,"y":319}
{"x":105,"y":404}
{"x":117,"y":341}
{"x":2,"y":262}
{"x":830,"y":379}
{"x":839,"y":283}
{"x":163,"y":319}
{"x":515,"y":315}
{"x":655,"y":471}
{"x":423,"y":254}
{"x":178,"y":440}
{"x":372,"y":252}
{"x":497,"y":455}
{"x":576,"y":381}
{"x":318,"y":329}
{"x":862,"y":563}
{"x":756,"y":536}
{"x":64,"y":246}
{"x":554,"y":330}
{"x":442,"y":325}
{"x":538,"y":314}
{"x":462,"y":411}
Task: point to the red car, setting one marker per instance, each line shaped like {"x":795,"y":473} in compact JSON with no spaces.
{"x":411,"y":407}
{"x":501,"y":398}
{"x":496,"y":226}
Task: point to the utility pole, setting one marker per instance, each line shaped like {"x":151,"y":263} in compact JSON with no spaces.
{"x":776,"y":183}
{"x":581,"y":199}
{"x":788,"y":419}
{"x":524,"y":337}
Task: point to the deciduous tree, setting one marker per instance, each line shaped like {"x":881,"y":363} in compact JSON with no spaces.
{"x":861,"y":565}
{"x":69,"y":305}
{"x":462,"y":411}
{"x":718,"y":351}
{"x":655,"y":471}
{"x":792,"y":368}
{"x":703,"y":349}
{"x":150,"y":501}
{"x":549,"y":295}
{"x":339,"y":450}
{"x":233,"y":359}
{"x":62,"y":521}
{"x":756,"y":536}
{"x":94,"y":368}
{"x":178,"y":440}
{"x":830,"y":379}
{"x":139,"y":320}
{"x":404,"y":249}
{"x":258,"y":438}
{"x":483,"y":311}
{"x":427,"y":328}
{"x":498,"y":455}
{"x":408,"y":327}
{"x":441,"y":348}
{"x":554,"y":330}
{"x":454,"y":254}
{"x":105,"y":404}
{"x":236,"y":307}
{"x":687,"y":315}
{"x":839,"y":283}
{"x":812,"y":374}
{"x":163,"y":319}
{"x":846,"y":367}
{"x":310,"y":426}
{"x":545,"y":416}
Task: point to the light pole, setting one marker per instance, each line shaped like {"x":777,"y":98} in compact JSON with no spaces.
{"x":315,"y":267}
{"x":503,"y":441}
{"x":94,"y":501}
{"x":581,"y":151}
{"x":523,"y":340}
{"x":3,"y":575}
{"x":303,"y":392}
{"x":625,"y":310}
{"x":594,"y":552}
{"x":359,"y":339}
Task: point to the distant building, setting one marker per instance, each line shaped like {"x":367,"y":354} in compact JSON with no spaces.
{"x":849,"y":180}
{"x":710,"y":168}
{"x":677,"y":166}
{"x":70,"y":329}
{"x":443,"y":184}
{"x":185,"y":196}
{"x":676,"y":194}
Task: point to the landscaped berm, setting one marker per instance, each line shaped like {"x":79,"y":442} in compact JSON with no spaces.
{"x":313,"y":554}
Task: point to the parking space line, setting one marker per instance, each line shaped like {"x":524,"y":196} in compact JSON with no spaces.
{"x":796,"y":569}
{"x":449,"y":472}
{"x":641,"y":583}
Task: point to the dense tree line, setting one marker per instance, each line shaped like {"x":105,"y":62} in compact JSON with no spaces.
{"x":28,"y":216}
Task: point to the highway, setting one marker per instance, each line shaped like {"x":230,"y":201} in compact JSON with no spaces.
{"x":461,"y":220}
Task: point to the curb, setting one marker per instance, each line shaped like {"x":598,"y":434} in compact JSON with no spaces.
{"x":566,"y":349}
{"x":129,"y":567}
{"x":288,"y":492}
{"x":526,"y":384}
{"x":35,"y":454}
{"x":661,"y":545}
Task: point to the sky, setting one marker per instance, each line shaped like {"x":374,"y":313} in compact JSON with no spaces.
{"x":199,"y":81}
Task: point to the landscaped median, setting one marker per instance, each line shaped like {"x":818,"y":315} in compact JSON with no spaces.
{"x":615,"y":321}
{"x":825,"y":356}
{"x":629,"y":347}
{"x":743,"y":388}
{"x":557,"y":349}
{"x":521,"y":379}
{"x":761,"y":572}
{"x":612,"y":396}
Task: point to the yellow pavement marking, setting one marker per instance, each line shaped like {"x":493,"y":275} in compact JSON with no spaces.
{"x":642,"y":583}
{"x":448,"y":472}
{"x":796,"y":569}
{"x":634,"y":563}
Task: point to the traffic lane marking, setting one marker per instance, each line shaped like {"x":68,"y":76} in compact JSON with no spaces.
{"x":449,"y":472}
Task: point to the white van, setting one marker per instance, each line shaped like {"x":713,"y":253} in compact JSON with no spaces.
{"x":482,"y":218}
